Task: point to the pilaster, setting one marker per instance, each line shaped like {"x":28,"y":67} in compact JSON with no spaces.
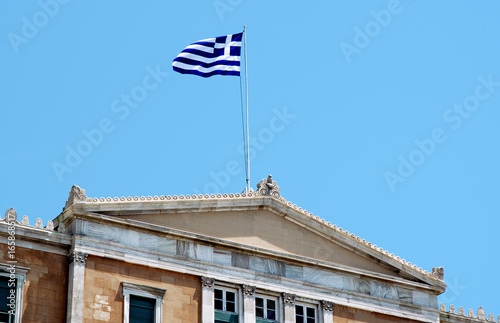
{"x":76,"y":280}
{"x":248,"y":303}
{"x":327,"y":309}
{"x":207,"y":300}
{"x":289,"y":307}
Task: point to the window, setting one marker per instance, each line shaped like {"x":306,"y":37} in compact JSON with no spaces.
{"x":265,"y":309}
{"x":6,"y":313}
{"x":305,"y":314}
{"x":142,"y":304}
{"x":12,"y":280}
{"x":142,"y":309}
{"x":225,"y":305}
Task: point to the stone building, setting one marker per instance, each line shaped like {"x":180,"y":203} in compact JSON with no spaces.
{"x":221,"y":258}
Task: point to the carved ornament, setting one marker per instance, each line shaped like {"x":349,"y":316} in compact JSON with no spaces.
{"x":78,"y":257}
{"x":438,"y":273}
{"x":289,"y":299}
{"x":327,"y":306}
{"x":75,"y":195}
{"x":207,"y":282}
{"x":11,"y":215}
{"x":248,"y":290}
{"x":268,"y":187}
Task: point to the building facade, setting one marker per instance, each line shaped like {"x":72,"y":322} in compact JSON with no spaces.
{"x":242,"y":258}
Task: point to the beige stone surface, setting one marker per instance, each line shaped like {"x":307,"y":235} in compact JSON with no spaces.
{"x":45,"y":289}
{"x":266,"y":230}
{"x":103,"y":279}
{"x":342,"y":314}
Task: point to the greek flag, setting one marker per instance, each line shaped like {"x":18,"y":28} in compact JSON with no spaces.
{"x":213,"y":56}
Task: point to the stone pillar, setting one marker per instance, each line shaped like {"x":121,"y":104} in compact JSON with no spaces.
{"x":207,"y":300}
{"x":76,"y":280}
{"x":327,"y":308}
{"x":248,"y":304}
{"x":289,"y":307}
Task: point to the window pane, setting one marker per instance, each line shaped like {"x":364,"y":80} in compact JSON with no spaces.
{"x":218,"y":294}
{"x":310,"y":312}
{"x":230,"y":307}
{"x":142,"y":309}
{"x":299,"y":319}
{"x":299,"y":310}
{"x":218,"y":305}
{"x":271,"y":314}
{"x":259,"y":312}
{"x":259,"y":302}
{"x":230,"y":296}
{"x":271,"y":304}
{"x":311,"y":320}
{"x":5,"y":292}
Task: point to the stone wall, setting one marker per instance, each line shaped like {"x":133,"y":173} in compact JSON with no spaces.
{"x":46,"y":286}
{"x":343,"y":314}
{"x":103,"y":295}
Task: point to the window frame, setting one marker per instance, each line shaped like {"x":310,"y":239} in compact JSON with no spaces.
{"x":20,"y":276}
{"x":306,"y":305}
{"x":277,"y":309}
{"x":142,"y":291}
{"x":224,"y":302}
{"x":224,"y":315}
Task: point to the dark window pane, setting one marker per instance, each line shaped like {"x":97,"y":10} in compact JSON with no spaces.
{"x":218,"y":294}
{"x":230,"y":307}
{"x":5,"y":292}
{"x":271,"y":314}
{"x":271,"y":304}
{"x":218,"y":305}
{"x":259,"y":302}
{"x":259,"y":312}
{"x":5,"y":318}
{"x":311,"y":320}
{"x":143,"y":302}
{"x":310,"y":312}
{"x":299,"y":319}
{"x":299,"y":310}
{"x":230,"y":296}
{"x":142,"y":309}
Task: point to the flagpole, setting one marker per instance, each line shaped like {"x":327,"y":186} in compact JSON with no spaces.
{"x":246,"y":105}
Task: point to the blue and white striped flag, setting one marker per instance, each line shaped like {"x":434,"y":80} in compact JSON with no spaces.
{"x":213,"y":56}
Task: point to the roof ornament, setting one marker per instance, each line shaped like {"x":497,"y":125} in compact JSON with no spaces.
{"x":481,"y":314}
{"x":438,"y":273}
{"x":269,"y":187}
{"x":11,"y":215}
{"x":25,"y":220}
{"x":75,"y":195}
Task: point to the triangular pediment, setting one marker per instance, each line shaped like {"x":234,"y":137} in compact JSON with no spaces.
{"x":260,"y":221}
{"x":265,"y":229}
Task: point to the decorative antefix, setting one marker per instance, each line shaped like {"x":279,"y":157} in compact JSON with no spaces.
{"x":269,"y":187}
{"x":10,"y":215}
{"x":438,"y":273}
{"x":75,"y":195}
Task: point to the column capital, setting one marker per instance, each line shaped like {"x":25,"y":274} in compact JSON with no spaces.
{"x":78,"y":257}
{"x":327,"y":306}
{"x":207,"y":282}
{"x":289,"y":299}
{"x":248,"y":290}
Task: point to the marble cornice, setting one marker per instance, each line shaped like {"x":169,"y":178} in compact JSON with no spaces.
{"x":268,"y":198}
{"x":241,"y":276}
{"x":252,"y":250}
{"x":37,"y":235}
{"x":364,"y":249}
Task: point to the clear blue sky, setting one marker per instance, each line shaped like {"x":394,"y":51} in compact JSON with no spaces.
{"x":379,"y":116}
